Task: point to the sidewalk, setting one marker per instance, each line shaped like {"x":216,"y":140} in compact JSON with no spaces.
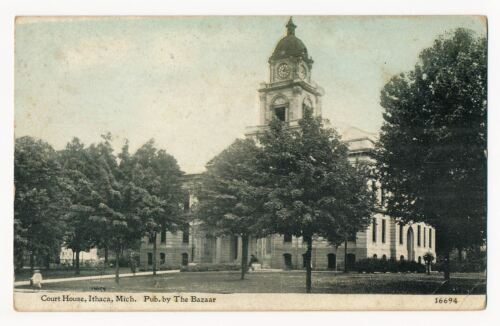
{"x":95,"y":277}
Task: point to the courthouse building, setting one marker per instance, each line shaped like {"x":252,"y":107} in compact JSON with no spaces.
{"x":288,"y":94}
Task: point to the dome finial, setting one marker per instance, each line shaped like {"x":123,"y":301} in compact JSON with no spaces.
{"x":290,"y":27}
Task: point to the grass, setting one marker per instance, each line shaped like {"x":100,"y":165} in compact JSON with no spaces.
{"x":284,"y":282}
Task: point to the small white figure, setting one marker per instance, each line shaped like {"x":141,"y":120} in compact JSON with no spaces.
{"x":36,"y":279}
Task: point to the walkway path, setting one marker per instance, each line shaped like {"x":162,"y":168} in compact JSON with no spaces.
{"x":95,"y":277}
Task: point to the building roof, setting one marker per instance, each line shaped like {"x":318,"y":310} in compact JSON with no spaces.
{"x":358,"y":140}
{"x":290,"y":45}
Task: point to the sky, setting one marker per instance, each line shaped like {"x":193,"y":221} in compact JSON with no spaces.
{"x":191,"y":82}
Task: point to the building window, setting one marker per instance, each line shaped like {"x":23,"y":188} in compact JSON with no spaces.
{"x":304,"y":260}
{"x":185,"y":234}
{"x":418,"y":236}
{"x":425,"y":236}
{"x":374,"y":191}
{"x":401,"y":258}
{"x":163,"y":236}
{"x":430,"y":238}
{"x":383,"y":231}
{"x":384,"y":257}
{"x":185,"y":259}
{"x":419,"y":260}
{"x":375,"y":256}
{"x":287,"y":237}
{"x":307,"y":106}
{"x":332,"y":261}
{"x":280,"y":113}
{"x":288,"y":261}
{"x":401,"y":231}
{"x":268,"y":245}
{"x":374,"y":230}
{"x":186,"y":203}
{"x":351,"y":260}
{"x":162,"y":258}
{"x":150,"y":258}
{"x":235,"y":247}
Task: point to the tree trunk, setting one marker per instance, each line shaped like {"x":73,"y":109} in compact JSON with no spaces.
{"x":460,"y":255}
{"x":244,"y":255}
{"x":308,"y":265}
{"x":154,"y":254}
{"x":47,"y":262}
{"x":117,"y":267}
{"x":77,"y":262}
{"x":32,"y":262}
{"x":447,"y":265}
{"x":106,"y":255}
{"x":346,"y":268}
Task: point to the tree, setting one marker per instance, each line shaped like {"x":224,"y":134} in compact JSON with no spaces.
{"x":314,"y":189}
{"x":39,"y":200}
{"x":432,"y":149}
{"x":153,"y":176}
{"x":231,"y":197}
{"x":119,"y":225}
{"x":428,"y":258}
{"x":75,"y":163}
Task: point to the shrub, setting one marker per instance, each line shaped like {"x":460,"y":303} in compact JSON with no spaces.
{"x":372,"y":265}
{"x":210,"y":268}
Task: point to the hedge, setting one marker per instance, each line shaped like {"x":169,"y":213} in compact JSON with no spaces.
{"x":371,"y":265}
{"x":210,"y":268}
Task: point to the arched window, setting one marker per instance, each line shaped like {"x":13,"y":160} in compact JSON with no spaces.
{"x":419,"y":260}
{"x":384,"y":257}
{"x":375,"y":256}
{"x":402,"y":257}
{"x":280,"y":108}
{"x":307,"y":106}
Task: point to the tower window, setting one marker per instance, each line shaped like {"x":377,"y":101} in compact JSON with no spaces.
{"x":307,"y":107}
{"x":280,"y":113}
{"x":401,"y":228}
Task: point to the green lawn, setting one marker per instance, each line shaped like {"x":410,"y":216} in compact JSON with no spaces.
{"x":284,"y":282}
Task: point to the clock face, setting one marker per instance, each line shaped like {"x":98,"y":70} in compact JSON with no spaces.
{"x":302,"y":72}
{"x":283,"y":71}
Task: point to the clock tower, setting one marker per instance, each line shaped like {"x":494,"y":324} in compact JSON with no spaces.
{"x":290,"y":90}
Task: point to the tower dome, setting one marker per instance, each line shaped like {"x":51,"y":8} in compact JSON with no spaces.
{"x":290,"y":45}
